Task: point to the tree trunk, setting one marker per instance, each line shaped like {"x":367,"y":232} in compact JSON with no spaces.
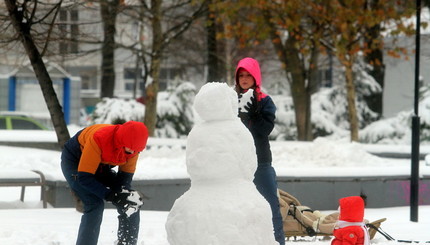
{"x":375,"y":58}
{"x":350,"y":96}
{"x":299,"y":90}
{"x":109,"y":11}
{"x":302,"y":105}
{"x":212,"y":57}
{"x":45,"y":81}
{"x":151,"y":96}
{"x":292,"y":64}
{"x":152,"y":88}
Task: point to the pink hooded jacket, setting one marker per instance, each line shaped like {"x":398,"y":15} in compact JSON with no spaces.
{"x":262,"y":123}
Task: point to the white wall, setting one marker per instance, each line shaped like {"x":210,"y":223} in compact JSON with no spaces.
{"x":400,"y":77}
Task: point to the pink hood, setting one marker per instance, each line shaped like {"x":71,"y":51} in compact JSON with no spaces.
{"x":252,"y":66}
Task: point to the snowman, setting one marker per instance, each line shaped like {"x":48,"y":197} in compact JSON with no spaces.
{"x":222,"y":206}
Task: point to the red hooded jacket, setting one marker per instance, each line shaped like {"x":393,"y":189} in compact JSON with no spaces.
{"x":105,"y":143}
{"x":351,"y":215}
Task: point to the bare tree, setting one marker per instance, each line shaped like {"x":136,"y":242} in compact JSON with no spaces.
{"x":24,"y":16}
{"x":216,"y":66}
{"x":165,"y":21}
{"x":109,"y":11}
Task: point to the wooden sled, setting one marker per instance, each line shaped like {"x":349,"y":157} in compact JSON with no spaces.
{"x":374,"y":226}
{"x":300,"y":221}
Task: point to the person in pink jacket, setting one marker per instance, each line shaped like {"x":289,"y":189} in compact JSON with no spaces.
{"x":258,"y":115}
{"x":350,"y":228}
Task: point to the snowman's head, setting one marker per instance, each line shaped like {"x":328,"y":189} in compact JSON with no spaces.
{"x":215,"y":102}
{"x":220,"y":147}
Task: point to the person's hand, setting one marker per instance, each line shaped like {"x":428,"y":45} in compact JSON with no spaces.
{"x":244,"y":99}
{"x":129,"y":201}
{"x":118,"y":198}
{"x":247,"y":105}
{"x":251,"y":106}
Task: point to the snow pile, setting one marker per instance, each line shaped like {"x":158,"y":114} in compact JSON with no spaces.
{"x":117,"y":110}
{"x":397,"y":130}
{"x":175,"y":116}
{"x":174,"y":110}
{"x":322,"y":153}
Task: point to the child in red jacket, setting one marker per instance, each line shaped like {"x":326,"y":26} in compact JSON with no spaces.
{"x":88,"y":162}
{"x":350,"y":228}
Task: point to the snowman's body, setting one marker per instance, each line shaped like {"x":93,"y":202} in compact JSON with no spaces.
{"x":222,"y":205}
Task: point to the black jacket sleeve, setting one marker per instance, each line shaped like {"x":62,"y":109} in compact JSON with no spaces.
{"x":90,"y":183}
{"x":262,"y":121}
{"x":124,"y":180}
{"x":260,"y":124}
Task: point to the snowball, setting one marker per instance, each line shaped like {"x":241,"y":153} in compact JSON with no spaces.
{"x":246,"y":97}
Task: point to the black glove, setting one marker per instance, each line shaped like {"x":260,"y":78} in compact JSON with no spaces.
{"x":128,"y":201}
{"x":119,"y":198}
{"x":251,"y":106}
{"x":249,"y":109}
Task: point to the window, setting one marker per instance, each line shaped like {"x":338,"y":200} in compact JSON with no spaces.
{"x":130,"y":86}
{"x":24,"y":124}
{"x":63,"y":15}
{"x":130,"y":73}
{"x":69,"y":31}
{"x":74,"y":36}
{"x":63,"y":47}
{"x":88,"y":75}
{"x":170,"y":73}
{"x":325,"y":78}
{"x":74,"y":15}
{"x":2,"y":123}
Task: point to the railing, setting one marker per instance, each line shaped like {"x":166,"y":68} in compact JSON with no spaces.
{"x":24,"y":179}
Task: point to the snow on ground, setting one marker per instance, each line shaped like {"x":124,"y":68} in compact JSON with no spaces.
{"x":27,"y":223}
{"x":51,"y":226}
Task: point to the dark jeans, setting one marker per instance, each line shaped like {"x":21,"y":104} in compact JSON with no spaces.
{"x":265,"y":181}
{"x":89,"y":229}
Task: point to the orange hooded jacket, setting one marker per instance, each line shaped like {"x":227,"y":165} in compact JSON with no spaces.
{"x":105,"y":143}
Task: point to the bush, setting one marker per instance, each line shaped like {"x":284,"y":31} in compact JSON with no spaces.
{"x":175,"y":116}
{"x":115,"y":111}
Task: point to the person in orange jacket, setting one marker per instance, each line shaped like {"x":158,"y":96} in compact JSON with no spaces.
{"x":88,"y":160}
{"x":350,"y":229}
